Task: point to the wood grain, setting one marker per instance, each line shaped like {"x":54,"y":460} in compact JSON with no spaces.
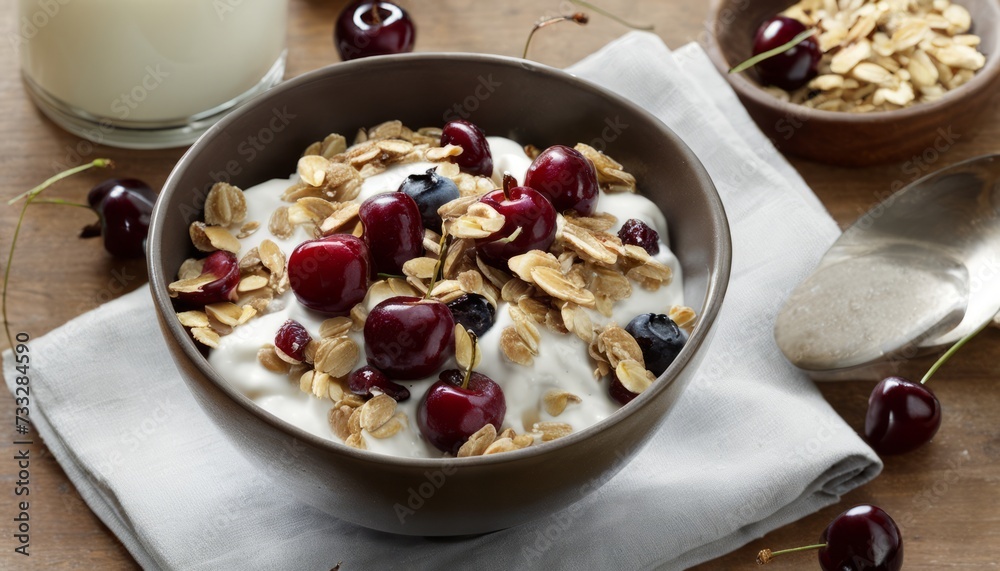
{"x":946,"y":496}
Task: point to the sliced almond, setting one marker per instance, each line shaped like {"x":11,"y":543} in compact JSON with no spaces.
{"x":552,"y":282}
{"x":556,"y":401}
{"x":225,"y":205}
{"x":634,"y":376}
{"x":193,"y":318}
{"x":478,"y":442}
{"x":522,"y":264}
{"x":206,"y":336}
{"x":335,"y":327}
{"x":377,"y":412}
{"x":552,"y":430}
{"x":269,"y":359}
{"x":337,"y":356}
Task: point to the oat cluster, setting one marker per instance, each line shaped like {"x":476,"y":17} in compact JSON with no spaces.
{"x":587,"y":267}
{"x":881,"y":55}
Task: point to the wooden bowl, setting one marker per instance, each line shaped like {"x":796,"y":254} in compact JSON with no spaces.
{"x":852,"y":139}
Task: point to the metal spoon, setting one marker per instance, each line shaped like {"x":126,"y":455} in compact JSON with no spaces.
{"x":914,"y":274}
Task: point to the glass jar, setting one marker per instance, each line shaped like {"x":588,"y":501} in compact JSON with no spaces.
{"x":148,"y":73}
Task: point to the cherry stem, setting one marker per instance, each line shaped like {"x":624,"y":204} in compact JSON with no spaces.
{"x":579,"y":18}
{"x":375,"y":15}
{"x":31,"y":195}
{"x":472,"y":360}
{"x":508,"y":182}
{"x":954,"y":349}
{"x":443,"y":247}
{"x":766,"y":555}
{"x":61,"y":201}
{"x":773,"y":52}
{"x":619,"y":19}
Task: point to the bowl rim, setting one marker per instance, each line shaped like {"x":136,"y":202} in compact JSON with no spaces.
{"x":982,"y":80}
{"x":717,"y":280}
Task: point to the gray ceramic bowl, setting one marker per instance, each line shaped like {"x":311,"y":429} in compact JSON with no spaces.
{"x":510,"y":97}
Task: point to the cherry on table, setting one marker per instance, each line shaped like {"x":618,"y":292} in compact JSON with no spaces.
{"x":124,"y":207}
{"x":529,"y":223}
{"x":409,"y":337}
{"x":330,"y":274}
{"x":457,"y":406}
{"x":476,"y":158}
{"x":794,"y":68}
{"x":430,"y":191}
{"x":863,"y":538}
{"x":372,"y":28}
{"x":567,"y":178}
{"x":363,"y":380}
{"x":394,"y":231}
{"x":903,"y":415}
{"x":638,"y":233}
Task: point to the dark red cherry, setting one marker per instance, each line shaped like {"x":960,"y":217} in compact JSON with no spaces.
{"x":224,"y":268}
{"x":567,"y":178}
{"x":394,"y":231}
{"x":638,"y":233}
{"x":902,"y":416}
{"x":373,"y":28}
{"x":362,"y":382}
{"x":793,"y":68}
{"x":124,"y":207}
{"x":409,"y":337}
{"x":449,"y":414}
{"x":475,"y":158}
{"x":529,"y":223}
{"x":864,"y":538}
{"x":330,"y":275}
{"x":292,"y":339}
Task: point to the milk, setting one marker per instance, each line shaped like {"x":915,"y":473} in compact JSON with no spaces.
{"x":148,"y":63}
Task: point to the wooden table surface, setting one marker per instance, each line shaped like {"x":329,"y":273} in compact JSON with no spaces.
{"x":946,"y":496}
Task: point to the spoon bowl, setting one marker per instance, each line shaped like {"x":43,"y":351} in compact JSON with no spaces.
{"x":914,"y":274}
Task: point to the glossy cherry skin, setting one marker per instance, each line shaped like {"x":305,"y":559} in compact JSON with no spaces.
{"x":124,"y":207}
{"x":902,"y":416}
{"x":638,"y":233}
{"x":448,"y":414}
{"x":368,"y":28}
{"x":476,"y":158}
{"x":525,"y":209}
{"x":408,"y":337}
{"x":225,"y":268}
{"x":292,"y":339}
{"x":330,"y":274}
{"x":431,"y":191}
{"x":792,"y":69}
{"x":362,"y":382}
{"x":567,"y":178}
{"x":864,"y":538}
{"x":394,"y":231}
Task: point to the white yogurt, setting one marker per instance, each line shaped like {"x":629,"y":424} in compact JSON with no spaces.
{"x":562,"y":361}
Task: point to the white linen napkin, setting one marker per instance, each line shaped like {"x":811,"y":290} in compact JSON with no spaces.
{"x":750,"y":446}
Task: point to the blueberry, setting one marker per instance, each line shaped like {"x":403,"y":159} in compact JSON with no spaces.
{"x":430,"y":191}
{"x":659,"y":338}
{"x":474,"y":312}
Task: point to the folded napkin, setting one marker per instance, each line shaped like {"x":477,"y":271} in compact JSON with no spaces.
{"x":750,"y":446}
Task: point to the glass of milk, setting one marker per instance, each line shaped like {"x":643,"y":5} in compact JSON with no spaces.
{"x":147,"y":73}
